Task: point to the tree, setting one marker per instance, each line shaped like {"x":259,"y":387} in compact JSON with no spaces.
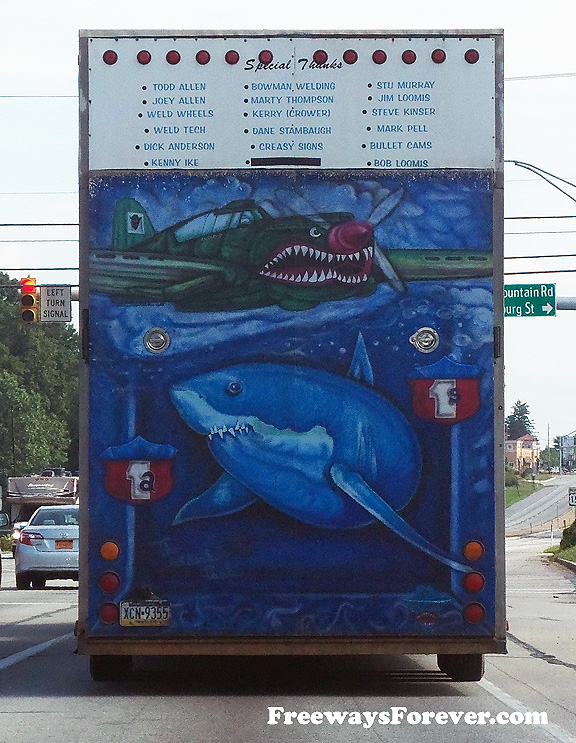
{"x":518,"y":423}
{"x":39,"y":365}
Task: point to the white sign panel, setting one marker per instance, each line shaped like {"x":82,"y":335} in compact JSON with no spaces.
{"x":55,"y":304}
{"x":380,"y":102}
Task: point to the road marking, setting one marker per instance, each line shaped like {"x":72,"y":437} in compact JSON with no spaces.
{"x":551,"y":730}
{"x":34,"y":650}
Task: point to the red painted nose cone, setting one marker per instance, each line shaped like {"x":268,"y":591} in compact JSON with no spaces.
{"x":350,"y":237}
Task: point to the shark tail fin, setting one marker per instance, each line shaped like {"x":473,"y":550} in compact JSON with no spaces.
{"x":130,"y":224}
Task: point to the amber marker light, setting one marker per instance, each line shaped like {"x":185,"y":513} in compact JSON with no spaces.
{"x":473,"y":550}
{"x":109,"y":550}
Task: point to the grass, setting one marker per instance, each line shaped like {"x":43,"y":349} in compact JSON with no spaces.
{"x":514,"y":493}
{"x":5,"y":543}
{"x":567,"y":554}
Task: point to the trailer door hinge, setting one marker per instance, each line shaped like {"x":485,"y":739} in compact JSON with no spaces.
{"x":497,"y":342}
{"x":85,"y":335}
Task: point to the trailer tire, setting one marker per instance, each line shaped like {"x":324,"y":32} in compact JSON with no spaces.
{"x":469,"y":667}
{"x":109,"y":667}
{"x":22,"y":581}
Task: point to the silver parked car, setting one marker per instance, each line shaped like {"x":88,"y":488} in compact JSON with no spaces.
{"x":48,"y":547}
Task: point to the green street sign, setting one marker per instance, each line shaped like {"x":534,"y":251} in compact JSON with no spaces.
{"x":529,"y":300}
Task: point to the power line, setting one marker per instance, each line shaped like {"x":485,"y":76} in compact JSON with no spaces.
{"x":75,"y":240}
{"x":530,"y":257}
{"x":536,"y":232}
{"x":527,"y":273}
{"x":51,"y":268}
{"x":39,"y":96}
{"x":553,"y":216}
{"x":543,"y":173}
{"x":39,"y":224}
{"x":540,"y":77}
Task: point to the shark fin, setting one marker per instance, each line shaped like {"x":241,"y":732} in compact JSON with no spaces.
{"x":360,"y":366}
{"x":226,"y":496}
{"x":130,"y":224}
{"x":353,"y":484}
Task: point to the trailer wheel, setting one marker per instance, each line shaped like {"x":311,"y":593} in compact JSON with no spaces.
{"x":109,"y":667}
{"x":22,"y":581}
{"x":468,"y":667}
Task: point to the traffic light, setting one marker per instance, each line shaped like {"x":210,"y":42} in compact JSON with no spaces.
{"x":28,"y":300}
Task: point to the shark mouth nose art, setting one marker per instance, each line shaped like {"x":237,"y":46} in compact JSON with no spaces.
{"x":348,"y":259}
{"x":304,"y":265}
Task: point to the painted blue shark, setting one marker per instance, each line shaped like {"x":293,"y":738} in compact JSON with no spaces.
{"x":321,"y":448}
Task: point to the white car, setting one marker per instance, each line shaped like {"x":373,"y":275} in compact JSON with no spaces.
{"x":48,"y":547}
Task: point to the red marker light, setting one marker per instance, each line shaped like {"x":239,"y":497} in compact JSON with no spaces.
{"x":173,"y":57}
{"x":144,"y":57}
{"x":110,"y":57}
{"x":438,"y":56}
{"x":474,"y":613}
{"x":232,"y":57}
{"x":409,"y":57}
{"x":474,"y":582}
{"x":320,"y":56}
{"x":472,"y":56}
{"x":109,"y":613}
{"x":350,"y":56}
{"x":379,"y":57}
{"x":265,"y":56}
{"x":203,"y":57}
{"x":109,"y":582}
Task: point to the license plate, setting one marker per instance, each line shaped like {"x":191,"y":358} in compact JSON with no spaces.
{"x":145,"y":613}
{"x":64,"y":544}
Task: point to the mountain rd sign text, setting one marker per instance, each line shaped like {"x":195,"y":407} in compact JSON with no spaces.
{"x":529,"y":300}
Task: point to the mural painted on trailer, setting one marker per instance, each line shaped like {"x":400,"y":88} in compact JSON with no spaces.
{"x":331,"y":275}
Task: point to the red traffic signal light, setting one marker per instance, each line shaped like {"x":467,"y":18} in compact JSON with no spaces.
{"x":28,"y":300}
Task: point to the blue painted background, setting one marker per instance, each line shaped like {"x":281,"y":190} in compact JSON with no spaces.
{"x":260,"y":571}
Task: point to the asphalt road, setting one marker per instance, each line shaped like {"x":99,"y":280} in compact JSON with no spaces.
{"x":547,"y":507}
{"x":46,"y":690}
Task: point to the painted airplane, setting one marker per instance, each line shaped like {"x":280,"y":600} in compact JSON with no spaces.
{"x":239,"y":257}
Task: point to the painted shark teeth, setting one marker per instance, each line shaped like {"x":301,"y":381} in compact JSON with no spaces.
{"x":277,"y":267}
{"x":233,"y":430}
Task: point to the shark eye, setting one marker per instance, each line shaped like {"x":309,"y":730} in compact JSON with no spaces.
{"x":315,"y":232}
{"x":234,"y":388}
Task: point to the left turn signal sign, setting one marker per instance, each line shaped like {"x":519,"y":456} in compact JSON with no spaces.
{"x":28,"y":300}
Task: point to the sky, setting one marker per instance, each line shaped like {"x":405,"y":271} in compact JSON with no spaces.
{"x":39,"y":144}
